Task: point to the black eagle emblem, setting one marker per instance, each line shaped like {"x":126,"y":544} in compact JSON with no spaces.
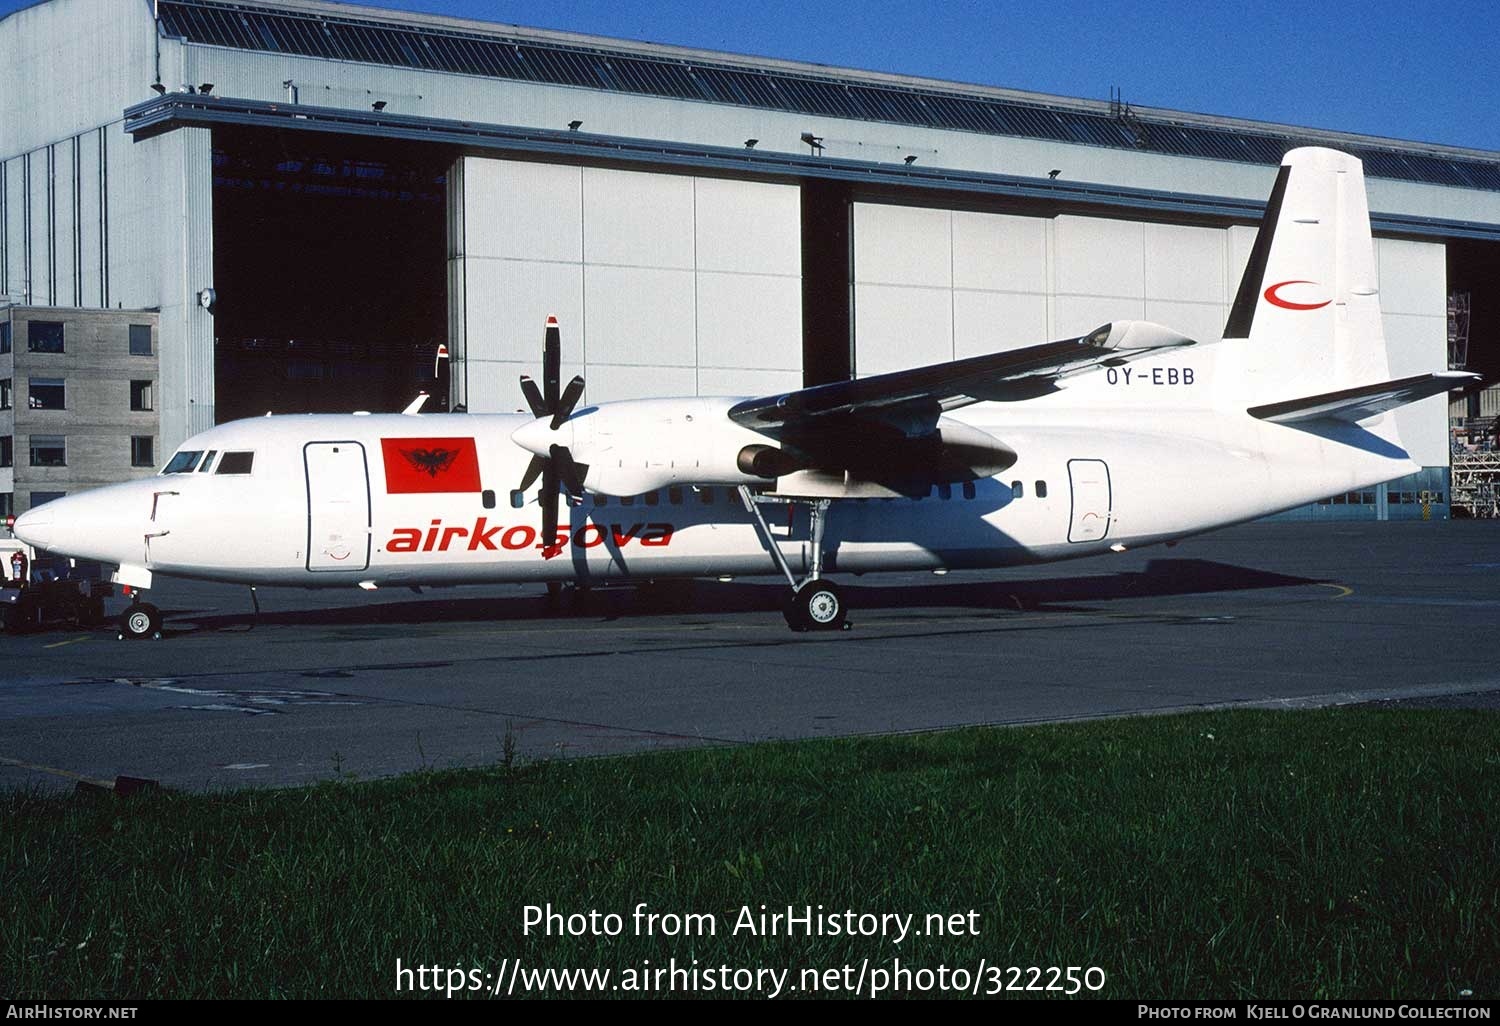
{"x":432,"y":462}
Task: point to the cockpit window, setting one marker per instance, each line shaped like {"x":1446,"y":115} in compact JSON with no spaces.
{"x":183,"y":462}
{"x":235,"y":463}
{"x":208,"y":461}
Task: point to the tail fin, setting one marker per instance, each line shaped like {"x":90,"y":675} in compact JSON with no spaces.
{"x":1308,"y":304}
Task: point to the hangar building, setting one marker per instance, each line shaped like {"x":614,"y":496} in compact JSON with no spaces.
{"x":286,"y":205}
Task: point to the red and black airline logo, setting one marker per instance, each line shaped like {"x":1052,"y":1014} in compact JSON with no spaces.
{"x":430,"y":465}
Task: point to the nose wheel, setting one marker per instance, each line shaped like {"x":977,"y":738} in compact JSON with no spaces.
{"x":142,"y":620}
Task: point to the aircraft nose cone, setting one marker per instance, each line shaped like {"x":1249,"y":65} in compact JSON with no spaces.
{"x":539,"y":438}
{"x":34,"y":527}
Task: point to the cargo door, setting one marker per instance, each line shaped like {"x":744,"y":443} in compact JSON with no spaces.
{"x":1091,"y":500}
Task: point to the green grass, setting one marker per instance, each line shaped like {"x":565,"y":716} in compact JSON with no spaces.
{"x":1339,"y":853}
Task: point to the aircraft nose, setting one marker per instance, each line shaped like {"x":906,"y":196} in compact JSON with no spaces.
{"x":34,"y":527}
{"x":103,"y":524}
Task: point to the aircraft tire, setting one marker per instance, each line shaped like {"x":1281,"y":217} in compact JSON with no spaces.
{"x":141,"y":620}
{"x":818,"y":606}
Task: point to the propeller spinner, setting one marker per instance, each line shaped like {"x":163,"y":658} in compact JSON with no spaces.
{"x":551,"y":460}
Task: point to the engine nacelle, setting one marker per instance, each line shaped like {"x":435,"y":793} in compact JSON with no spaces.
{"x":640,"y":445}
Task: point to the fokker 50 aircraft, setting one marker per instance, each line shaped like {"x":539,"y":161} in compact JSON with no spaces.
{"x":1129,"y":435}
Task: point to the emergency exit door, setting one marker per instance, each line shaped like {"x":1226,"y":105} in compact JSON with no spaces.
{"x":338,"y":506}
{"x":1091,"y":500}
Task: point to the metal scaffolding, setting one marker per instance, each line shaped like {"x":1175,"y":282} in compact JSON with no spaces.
{"x":1458,"y":331}
{"x":1476,"y":483}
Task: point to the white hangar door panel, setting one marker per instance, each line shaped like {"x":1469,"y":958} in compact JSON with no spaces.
{"x":338,"y":506}
{"x":664,"y":284}
{"x":934,"y":285}
{"x":1091,"y":500}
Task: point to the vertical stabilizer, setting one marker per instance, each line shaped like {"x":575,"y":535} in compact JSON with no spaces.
{"x":1308,"y":304}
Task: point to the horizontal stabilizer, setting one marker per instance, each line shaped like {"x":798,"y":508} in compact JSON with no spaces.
{"x":1356,"y":404}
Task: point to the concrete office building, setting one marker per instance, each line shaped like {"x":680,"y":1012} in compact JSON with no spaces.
{"x":312,"y":196}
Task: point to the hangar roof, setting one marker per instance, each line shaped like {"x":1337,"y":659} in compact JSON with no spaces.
{"x":433,"y":43}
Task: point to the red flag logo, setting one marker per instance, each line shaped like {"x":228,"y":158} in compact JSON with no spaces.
{"x":430,"y":465}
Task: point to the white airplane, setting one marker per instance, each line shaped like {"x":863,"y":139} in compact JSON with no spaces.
{"x":1129,"y":435}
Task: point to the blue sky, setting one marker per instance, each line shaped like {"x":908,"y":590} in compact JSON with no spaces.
{"x":1408,"y":70}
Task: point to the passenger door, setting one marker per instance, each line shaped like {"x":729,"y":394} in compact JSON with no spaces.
{"x":338,"y":506}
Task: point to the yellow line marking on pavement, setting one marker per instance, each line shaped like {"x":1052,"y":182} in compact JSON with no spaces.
{"x":68,"y":774}
{"x":70,"y":641}
{"x":1344,"y":591}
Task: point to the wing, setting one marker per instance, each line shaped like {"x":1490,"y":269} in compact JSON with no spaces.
{"x":889,"y":429}
{"x":912,"y":400}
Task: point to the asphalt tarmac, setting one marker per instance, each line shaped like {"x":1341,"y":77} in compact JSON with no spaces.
{"x":332,"y":684}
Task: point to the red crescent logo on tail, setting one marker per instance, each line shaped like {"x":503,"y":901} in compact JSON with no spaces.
{"x":1286,"y":304}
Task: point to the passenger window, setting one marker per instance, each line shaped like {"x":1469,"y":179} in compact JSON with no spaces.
{"x":674,"y":496}
{"x":627,"y":500}
{"x":653,"y":498}
{"x":601,"y":501}
{"x":1041,"y":489}
{"x":706,"y":496}
{"x":517,"y":498}
{"x":183,"y":462}
{"x":969,"y":490}
{"x":486,"y":497}
{"x":236,"y":463}
{"x":1018,"y":489}
{"x":208,"y":462}
{"x":945,"y":492}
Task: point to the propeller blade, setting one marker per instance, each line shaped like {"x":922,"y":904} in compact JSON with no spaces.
{"x":533,"y":471}
{"x":551,"y":364}
{"x":549,"y":498}
{"x":567,"y":470}
{"x":570,"y":397}
{"x":533,"y":396}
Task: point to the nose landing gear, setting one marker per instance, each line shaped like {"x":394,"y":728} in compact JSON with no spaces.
{"x":142,"y":620}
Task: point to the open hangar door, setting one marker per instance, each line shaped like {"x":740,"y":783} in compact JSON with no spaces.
{"x":329,"y":272}
{"x":1474,"y":271}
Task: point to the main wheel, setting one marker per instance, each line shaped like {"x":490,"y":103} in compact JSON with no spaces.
{"x":817,"y":606}
{"x":141,"y":620}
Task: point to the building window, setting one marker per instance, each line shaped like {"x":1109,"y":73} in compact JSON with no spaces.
{"x":37,"y":498}
{"x":44,"y":336}
{"x":46,"y":394}
{"x":49,"y":451}
{"x":4,"y":336}
{"x":4,"y":393}
{"x":140,"y":340}
{"x":140,"y":395}
{"x":7,"y":451}
{"x":7,"y":504}
{"x":142,"y":451}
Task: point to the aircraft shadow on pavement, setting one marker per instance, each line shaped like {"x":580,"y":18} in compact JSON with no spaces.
{"x":1160,"y":578}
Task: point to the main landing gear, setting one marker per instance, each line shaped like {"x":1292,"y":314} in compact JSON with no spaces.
{"x":141,"y":620}
{"x":814,"y":604}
